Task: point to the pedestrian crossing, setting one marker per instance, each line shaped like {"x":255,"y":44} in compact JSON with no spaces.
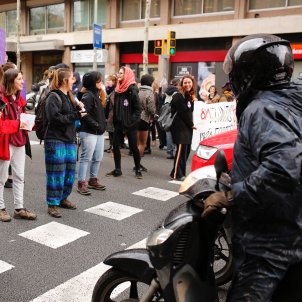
{"x":56,"y":235}
{"x":79,"y":288}
{"x":4,"y":266}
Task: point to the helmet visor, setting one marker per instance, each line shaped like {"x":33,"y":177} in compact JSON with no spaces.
{"x":227,"y":64}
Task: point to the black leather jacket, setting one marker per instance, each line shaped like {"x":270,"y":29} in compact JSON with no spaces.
{"x":266,"y":170}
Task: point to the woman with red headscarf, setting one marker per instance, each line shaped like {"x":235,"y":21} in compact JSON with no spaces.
{"x":126,"y":116}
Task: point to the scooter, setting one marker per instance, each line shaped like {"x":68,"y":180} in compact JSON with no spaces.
{"x":32,"y":97}
{"x":178,"y":263}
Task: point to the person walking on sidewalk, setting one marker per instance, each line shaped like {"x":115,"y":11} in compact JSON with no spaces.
{"x":126,"y":116}
{"x":91,"y":133}
{"x":60,"y":137}
{"x":12,"y":146}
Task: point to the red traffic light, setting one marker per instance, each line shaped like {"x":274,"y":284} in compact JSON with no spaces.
{"x":158,"y":47}
{"x":158,"y":43}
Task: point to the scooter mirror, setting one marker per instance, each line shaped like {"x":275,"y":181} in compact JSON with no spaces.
{"x":220,"y":164}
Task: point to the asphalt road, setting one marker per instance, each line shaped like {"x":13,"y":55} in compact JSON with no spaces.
{"x":60,"y":259}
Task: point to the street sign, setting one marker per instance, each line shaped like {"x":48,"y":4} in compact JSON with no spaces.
{"x":97,"y":36}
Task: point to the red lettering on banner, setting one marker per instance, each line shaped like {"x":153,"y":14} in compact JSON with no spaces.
{"x":204,"y":113}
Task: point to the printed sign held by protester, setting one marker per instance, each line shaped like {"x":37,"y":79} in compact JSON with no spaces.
{"x":211,"y":119}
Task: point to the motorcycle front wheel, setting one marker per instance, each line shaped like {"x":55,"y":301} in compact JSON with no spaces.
{"x":118,"y":286}
{"x":223,"y":259}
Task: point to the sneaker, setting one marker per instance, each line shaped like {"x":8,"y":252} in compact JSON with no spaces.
{"x":109,"y":149}
{"x":94,"y":183}
{"x":82,"y":188}
{"x":67,"y":204}
{"x":138,"y":175}
{"x":170,"y":157}
{"x":54,"y":211}
{"x":4,"y":216}
{"x":142,"y":169}
{"x":24,"y":214}
{"x":179,"y":178}
{"x":115,"y":173}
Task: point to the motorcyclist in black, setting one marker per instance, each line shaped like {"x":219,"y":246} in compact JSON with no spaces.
{"x":266,"y":169}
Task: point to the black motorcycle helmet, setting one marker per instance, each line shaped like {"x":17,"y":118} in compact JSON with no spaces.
{"x":258,"y":62}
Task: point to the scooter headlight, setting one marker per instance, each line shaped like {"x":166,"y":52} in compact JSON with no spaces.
{"x":158,"y":237}
{"x":205,"y":152}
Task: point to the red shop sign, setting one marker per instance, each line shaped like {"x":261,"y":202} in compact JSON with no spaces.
{"x":297,"y":50}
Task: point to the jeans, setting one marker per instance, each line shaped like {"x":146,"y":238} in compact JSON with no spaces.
{"x":170,"y":145}
{"x":17,"y":162}
{"x":92,"y":149}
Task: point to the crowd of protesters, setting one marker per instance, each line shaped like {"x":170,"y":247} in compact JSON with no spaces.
{"x":124,"y":106}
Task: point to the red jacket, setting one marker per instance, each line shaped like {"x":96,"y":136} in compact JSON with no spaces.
{"x":9,"y":126}
{"x":5,"y":136}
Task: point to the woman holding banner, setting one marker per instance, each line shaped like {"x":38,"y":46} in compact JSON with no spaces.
{"x":182,"y":127}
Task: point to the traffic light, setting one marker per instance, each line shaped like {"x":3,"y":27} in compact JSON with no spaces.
{"x":171,"y":43}
{"x":158,"y":47}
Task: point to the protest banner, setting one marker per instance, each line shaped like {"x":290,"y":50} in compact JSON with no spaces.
{"x":211,"y":119}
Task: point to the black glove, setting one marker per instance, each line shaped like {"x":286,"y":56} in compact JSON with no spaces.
{"x":217,"y":201}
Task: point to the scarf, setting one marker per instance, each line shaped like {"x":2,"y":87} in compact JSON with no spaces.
{"x":128,"y":80}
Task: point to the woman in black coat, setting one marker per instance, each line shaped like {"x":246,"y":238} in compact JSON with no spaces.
{"x":126,"y":116}
{"x":182,"y":127}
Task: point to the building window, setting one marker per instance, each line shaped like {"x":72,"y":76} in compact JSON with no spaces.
{"x":135,"y":9}
{"x":8,"y":22}
{"x":260,"y":4}
{"x":197,"y":7}
{"x":42,"y":61}
{"x":83,"y":14}
{"x":210,"y":6}
{"x":46,"y":19}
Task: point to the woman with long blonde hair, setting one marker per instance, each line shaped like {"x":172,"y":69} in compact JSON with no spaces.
{"x":60,"y":147}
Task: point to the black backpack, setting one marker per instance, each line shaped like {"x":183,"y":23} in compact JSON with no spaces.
{"x":41,"y":122}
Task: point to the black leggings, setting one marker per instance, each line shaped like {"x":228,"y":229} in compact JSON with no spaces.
{"x":132,"y":140}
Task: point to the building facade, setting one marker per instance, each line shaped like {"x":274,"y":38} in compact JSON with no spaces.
{"x":55,"y":31}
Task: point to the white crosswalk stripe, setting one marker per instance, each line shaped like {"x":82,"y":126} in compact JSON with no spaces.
{"x":114,"y":210}
{"x":156,"y":193}
{"x":54,"y":234}
{"x":4,"y":266}
{"x":79,"y":288}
